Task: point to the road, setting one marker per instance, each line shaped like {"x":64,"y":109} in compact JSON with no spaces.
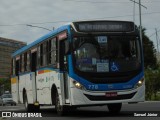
{"x":91,"y":113}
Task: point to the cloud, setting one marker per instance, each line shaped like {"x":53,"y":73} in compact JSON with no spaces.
{"x":42,"y":11}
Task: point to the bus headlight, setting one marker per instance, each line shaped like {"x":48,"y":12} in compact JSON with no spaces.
{"x":78,"y":85}
{"x":139,"y":83}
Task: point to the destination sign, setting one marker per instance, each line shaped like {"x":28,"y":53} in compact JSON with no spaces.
{"x":104,"y":26}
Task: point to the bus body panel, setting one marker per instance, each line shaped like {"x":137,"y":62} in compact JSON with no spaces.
{"x":14,"y":88}
{"x":25,"y":83}
{"x":43,"y":89}
{"x":22,"y":86}
{"x":45,"y":80}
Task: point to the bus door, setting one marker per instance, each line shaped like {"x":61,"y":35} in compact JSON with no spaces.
{"x":17,"y":70}
{"x":33,"y":73}
{"x":64,"y":68}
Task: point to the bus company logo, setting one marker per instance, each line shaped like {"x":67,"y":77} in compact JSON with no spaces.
{"x":14,"y":114}
{"x":6,"y":114}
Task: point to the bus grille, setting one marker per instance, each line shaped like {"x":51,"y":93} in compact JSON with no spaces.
{"x":104,"y":78}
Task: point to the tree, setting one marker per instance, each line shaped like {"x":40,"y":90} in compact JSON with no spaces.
{"x":152,"y":83}
{"x":149,"y":52}
{"x":152,"y":73}
{"x":149,"y":84}
{"x":5,"y":85}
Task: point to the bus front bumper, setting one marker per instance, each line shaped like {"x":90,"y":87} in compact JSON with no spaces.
{"x":81,"y":97}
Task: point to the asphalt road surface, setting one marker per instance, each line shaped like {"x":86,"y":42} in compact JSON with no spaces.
{"x":128,"y":112}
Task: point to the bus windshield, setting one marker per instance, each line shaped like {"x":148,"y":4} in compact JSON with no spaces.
{"x":107,"y":53}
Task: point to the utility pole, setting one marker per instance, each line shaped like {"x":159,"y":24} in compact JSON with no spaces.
{"x":134,"y":11}
{"x":140,"y":18}
{"x":157,"y":43}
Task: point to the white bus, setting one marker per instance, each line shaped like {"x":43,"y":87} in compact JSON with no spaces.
{"x":84,"y":63}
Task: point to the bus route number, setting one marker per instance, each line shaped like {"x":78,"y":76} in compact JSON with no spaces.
{"x":93,"y":87}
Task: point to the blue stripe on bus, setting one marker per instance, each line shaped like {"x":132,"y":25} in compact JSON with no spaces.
{"x":48,"y":68}
{"x":25,"y":73}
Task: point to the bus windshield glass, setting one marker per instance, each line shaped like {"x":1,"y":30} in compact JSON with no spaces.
{"x":107,"y":53}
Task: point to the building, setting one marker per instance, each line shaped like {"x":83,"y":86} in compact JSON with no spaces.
{"x":7,"y":47}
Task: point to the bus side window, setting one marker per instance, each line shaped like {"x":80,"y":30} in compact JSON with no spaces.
{"x":17,"y":69}
{"x":28,"y":61}
{"x":13,"y":66}
{"x":49,"y":52}
{"x":53,"y":51}
{"x":44,"y":53}
{"x":22,"y":62}
{"x":38,"y":57}
{"x":41,"y":55}
{"x":33,"y":61}
{"x":25,"y":62}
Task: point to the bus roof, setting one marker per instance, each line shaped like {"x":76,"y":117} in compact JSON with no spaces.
{"x":52,"y":33}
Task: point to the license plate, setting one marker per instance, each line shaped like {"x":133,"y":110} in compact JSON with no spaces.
{"x":111,"y":94}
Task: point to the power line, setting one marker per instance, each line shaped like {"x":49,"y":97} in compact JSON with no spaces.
{"x":157,"y":40}
{"x":22,"y":24}
{"x":134,"y":12}
{"x":38,"y":27}
{"x":93,"y":1}
{"x":154,"y":33}
{"x":32,"y":23}
{"x":138,"y":3}
{"x":106,"y":1}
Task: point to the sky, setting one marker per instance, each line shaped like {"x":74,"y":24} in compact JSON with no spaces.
{"x":15,"y":15}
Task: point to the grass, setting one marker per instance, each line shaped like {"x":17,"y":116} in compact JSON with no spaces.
{"x":157,"y":97}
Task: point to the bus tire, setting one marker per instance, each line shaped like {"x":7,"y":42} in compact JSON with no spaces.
{"x":60,"y":109}
{"x":114,"y":108}
{"x":28,"y":107}
{"x":53,"y":94}
{"x":36,"y":108}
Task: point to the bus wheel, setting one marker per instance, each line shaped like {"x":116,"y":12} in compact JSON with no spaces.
{"x":59,"y":108}
{"x":114,"y":108}
{"x":36,"y":108}
{"x":28,"y":107}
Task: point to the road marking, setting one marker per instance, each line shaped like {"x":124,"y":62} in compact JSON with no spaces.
{"x":11,"y":109}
